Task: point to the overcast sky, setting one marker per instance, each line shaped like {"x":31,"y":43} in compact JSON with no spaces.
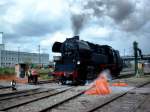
{"x":28,"y":23}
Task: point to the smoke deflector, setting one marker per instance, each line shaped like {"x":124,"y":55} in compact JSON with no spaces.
{"x":56,"y":47}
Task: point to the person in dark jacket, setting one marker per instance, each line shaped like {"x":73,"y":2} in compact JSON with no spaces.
{"x":13,"y":85}
{"x":34,"y":73}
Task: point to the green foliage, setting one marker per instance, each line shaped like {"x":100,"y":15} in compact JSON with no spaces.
{"x":44,"y":73}
{"x":7,"y":71}
{"x":45,"y":77}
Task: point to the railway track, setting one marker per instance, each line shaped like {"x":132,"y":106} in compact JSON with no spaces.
{"x":43,"y":82}
{"x":62,"y":102}
{"x":23,"y":93}
{"x":87,"y":104}
{"x":4,"y":87}
{"x":72,"y":99}
{"x":47,"y":81}
{"x":6,"y":91}
{"x":44,"y":103}
{"x":130,"y":102}
{"x":22,"y":100}
{"x":13,"y":93}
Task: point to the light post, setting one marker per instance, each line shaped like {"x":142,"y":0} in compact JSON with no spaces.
{"x":18,"y":54}
{"x":2,"y":33}
{"x":137,"y":52}
{"x":39,"y":55}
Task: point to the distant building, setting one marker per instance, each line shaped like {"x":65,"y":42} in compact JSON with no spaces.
{"x":2,"y":47}
{"x":11,"y":58}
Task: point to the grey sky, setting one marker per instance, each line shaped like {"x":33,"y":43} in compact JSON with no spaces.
{"x":28,"y":23}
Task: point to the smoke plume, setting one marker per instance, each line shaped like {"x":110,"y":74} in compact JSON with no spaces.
{"x":78,"y":21}
{"x":126,"y":13}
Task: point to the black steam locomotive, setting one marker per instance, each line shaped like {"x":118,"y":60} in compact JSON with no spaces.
{"x":81,"y":60}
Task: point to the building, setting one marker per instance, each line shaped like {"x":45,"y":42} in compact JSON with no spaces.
{"x":11,"y":58}
{"x":2,"y":46}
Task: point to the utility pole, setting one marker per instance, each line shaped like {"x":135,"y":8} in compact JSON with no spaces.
{"x":39,"y":54}
{"x":135,"y":47}
{"x":2,"y":41}
{"x":18,"y":54}
{"x":124,"y":51}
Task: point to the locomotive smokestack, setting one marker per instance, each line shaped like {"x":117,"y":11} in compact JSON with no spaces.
{"x":76,"y":37}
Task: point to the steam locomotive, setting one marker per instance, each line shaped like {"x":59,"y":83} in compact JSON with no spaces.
{"x":81,"y":60}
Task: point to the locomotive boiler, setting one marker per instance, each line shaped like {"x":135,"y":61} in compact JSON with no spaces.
{"x":81,"y":60}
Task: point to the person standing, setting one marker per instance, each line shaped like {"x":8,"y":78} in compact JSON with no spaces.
{"x":29,"y":75}
{"x":34,"y":75}
{"x":13,"y":85}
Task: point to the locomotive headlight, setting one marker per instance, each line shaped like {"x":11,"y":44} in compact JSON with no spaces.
{"x":78,"y":62}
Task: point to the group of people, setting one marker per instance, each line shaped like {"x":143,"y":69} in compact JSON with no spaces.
{"x":32,"y":75}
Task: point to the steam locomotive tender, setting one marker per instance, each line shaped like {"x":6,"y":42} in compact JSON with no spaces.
{"x":81,"y":60}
